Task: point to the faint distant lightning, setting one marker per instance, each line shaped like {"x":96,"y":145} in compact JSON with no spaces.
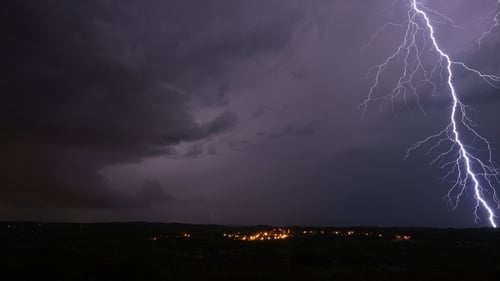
{"x":495,"y":17}
{"x":471,"y":164}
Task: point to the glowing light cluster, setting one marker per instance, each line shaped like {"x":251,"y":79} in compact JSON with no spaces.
{"x":470,"y":164}
{"x":273,"y":234}
{"x":399,"y":237}
{"x":286,"y":233}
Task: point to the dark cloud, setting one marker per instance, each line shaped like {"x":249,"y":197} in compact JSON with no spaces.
{"x":94,"y":83}
{"x":223,"y":111}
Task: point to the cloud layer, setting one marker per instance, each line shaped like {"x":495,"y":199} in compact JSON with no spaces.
{"x":217,"y":111}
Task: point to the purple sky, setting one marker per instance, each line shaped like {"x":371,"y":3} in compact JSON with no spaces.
{"x":223,"y":111}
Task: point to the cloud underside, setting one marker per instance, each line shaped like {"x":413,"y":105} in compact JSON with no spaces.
{"x":90,"y":84}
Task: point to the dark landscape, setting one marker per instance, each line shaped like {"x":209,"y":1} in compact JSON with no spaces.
{"x":151,"y":251}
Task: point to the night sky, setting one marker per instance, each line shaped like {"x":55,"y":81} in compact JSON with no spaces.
{"x":225,"y":112}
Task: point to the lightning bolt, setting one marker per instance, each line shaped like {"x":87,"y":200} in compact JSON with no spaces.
{"x":470,"y":164}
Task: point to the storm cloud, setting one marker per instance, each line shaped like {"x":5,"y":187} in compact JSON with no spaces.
{"x":89,"y":84}
{"x":219,"y":111}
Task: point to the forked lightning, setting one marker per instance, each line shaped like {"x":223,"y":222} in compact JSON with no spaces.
{"x":466,"y":155}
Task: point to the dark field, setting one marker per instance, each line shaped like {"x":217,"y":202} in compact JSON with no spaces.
{"x":143,"y":251}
